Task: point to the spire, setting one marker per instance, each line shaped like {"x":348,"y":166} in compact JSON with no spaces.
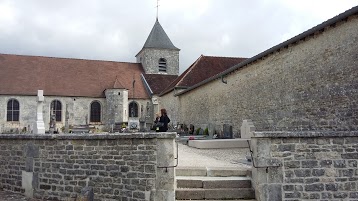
{"x":158,"y":38}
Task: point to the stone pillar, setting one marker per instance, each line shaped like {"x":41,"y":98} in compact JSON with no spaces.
{"x":39,"y":126}
{"x":165,"y":182}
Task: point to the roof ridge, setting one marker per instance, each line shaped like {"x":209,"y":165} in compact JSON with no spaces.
{"x":225,"y":57}
{"x":53,"y":57}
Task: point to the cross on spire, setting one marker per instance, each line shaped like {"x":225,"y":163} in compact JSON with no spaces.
{"x":157,"y":8}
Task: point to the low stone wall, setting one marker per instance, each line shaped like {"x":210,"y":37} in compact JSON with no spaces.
{"x":305,"y":165}
{"x":116,"y":166}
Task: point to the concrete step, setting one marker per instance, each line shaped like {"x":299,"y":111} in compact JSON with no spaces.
{"x":219,"y":143}
{"x":219,"y":193}
{"x":212,"y":171}
{"x":212,"y":182}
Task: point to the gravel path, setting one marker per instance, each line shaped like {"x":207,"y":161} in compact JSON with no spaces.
{"x":193,"y":157}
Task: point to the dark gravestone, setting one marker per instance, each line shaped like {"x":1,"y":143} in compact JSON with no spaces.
{"x":191,"y":129}
{"x":227,"y":131}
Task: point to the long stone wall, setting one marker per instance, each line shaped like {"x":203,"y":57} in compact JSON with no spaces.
{"x":309,"y":85}
{"x":116,"y":166}
{"x":305,"y":165}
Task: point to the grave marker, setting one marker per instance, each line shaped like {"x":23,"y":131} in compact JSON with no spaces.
{"x":39,"y":126}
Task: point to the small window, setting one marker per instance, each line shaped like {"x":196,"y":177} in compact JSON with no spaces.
{"x":133,"y":109}
{"x":162,"y":65}
{"x":13,"y":110}
{"x":95,"y":112}
{"x":56,"y":108}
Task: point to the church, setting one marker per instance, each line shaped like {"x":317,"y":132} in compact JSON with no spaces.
{"x":102,"y":95}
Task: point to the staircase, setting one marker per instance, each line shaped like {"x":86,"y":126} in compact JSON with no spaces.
{"x":201,"y":183}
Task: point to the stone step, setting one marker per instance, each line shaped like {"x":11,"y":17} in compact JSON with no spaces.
{"x":219,"y":200}
{"x":219,"y":193}
{"x":212,"y":182}
{"x":212,"y":171}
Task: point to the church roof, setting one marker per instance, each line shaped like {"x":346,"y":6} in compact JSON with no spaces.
{"x":24,"y":75}
{"x":203,"y":68}
{"x":158,"y":82}
{"x":158,"y":38}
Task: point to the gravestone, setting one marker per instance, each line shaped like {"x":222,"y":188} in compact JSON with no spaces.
{"x":67,"y":117}
{"x":247,"y":129}
{"x":191,"y":129}
{"x":227,"y":131}
{"x":39,"y":126}
{"x":211,"y":130}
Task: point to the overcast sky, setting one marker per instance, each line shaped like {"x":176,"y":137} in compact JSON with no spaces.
{"x":117,"y":29}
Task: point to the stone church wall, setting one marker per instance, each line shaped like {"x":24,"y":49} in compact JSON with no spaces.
{"x":78,"y":108}
{"x":116,"y":166}
{"x":309,"y":85}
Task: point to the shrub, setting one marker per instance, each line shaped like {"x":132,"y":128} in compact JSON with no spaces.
{"x":206,"y":131}
{"x":197,"y":131}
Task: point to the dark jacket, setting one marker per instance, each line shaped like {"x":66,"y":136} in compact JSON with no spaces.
{"x":164,"y":119}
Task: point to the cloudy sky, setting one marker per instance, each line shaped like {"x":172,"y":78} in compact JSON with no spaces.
{"x":117,"y":29}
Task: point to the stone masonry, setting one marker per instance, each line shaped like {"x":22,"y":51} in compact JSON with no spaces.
{"x":310,"y":84}
{"x":305,"y":165}
{"x":117,"y":166}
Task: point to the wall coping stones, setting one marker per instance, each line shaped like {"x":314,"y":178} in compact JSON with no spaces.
{"x":86,"y":136}
{"x":306,"y":134}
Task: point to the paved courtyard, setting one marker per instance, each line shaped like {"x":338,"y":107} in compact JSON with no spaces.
{"x":193,"y":157}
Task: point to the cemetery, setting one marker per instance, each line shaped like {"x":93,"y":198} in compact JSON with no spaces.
{"x":289,"y":115}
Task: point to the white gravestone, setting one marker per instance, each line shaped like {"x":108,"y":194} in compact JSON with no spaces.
{"x":247,"y":129}
{"x":39,"y":127}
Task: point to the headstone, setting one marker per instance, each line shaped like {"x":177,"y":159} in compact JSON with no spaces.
{"x":191,"y":129}
{"x":52,"y":121}
{"x":211,"y":131}
{"x":39,"y":126}
{"x":227,"y":131}
{"x":247,"y":129}
{"x":67,"y":117}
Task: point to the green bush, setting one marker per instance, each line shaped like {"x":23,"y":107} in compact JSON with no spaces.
{"x":197,"y":131}
{"x":206,"y":131}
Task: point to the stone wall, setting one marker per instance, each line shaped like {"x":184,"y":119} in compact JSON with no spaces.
{"x":149,"y":58}
{"x":305,"y":165}
{"x":117,"y":166}
{"x":309,"y":85}
{"x":172,"y":105}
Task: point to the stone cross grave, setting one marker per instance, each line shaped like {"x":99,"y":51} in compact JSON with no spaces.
{"x":39,"y":127}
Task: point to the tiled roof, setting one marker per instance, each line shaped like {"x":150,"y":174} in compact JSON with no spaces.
{"x":24,"y":75}
{"x":158,"y":82}
{"x":203,"y":68}
{"x":158,"y":38}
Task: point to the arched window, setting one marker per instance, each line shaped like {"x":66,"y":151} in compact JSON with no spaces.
{"x":56,"y":108}
{"x":162,"y":65}
{"x":13,"y":110}
{"x":133,"y":109}
{"x":95,"y":112}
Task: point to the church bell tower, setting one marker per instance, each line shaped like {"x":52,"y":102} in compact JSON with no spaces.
{"x":159,"y":55}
